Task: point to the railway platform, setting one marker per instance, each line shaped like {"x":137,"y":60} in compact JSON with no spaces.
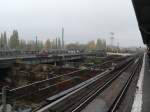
{"x":142,"y":96}
{"x":146,"y":87}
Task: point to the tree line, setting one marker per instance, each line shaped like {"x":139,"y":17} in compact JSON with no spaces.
{"x":99,"y":44}
{"x":15,"y":43}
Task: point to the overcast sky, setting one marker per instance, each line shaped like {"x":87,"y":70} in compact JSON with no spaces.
{"x":83,"y":20}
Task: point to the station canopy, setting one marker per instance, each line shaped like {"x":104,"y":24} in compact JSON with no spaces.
{"x":142,"y":10}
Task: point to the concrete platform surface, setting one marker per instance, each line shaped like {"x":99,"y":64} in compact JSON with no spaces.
{"x":146,"y":87}
{"x":142,"y":96}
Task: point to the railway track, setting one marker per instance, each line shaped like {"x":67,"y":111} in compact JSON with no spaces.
{"x":50,"y":85}
{"x":88,"y":88}
{"x":109,"y":62}
{"x":76,"y":100}
{"x":44,"y":85}
{"x":119,"y":98}
{"x":18,"y":93}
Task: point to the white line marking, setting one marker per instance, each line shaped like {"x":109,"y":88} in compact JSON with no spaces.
{"x":137,"y":104}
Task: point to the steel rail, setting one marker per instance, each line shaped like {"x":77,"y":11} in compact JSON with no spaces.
{"x":124,"y":90}
{"x":55,"y":77}
{"x":38,"y":83}
{"x":80,"y":90}
{"x":91,"y":97}
{"x":76,"y":88}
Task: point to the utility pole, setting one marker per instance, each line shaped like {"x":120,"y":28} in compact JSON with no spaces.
{"x":63,"y":44}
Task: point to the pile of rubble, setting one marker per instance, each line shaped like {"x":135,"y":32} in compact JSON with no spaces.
{"x":22,"y":74}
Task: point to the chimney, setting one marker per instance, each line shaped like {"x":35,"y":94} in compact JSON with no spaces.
{"x":63,"y":44}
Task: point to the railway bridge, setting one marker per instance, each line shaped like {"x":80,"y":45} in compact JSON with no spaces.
{"x":6,"y":62}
